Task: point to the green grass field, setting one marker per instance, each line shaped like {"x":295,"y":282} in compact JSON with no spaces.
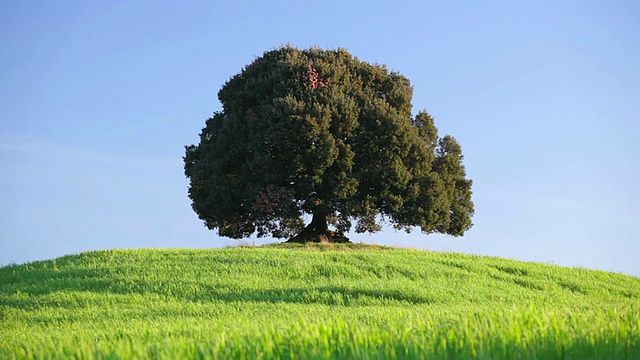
{"x":313,"y":302}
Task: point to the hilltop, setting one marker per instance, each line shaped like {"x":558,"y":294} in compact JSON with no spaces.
{"x":323,"y":301}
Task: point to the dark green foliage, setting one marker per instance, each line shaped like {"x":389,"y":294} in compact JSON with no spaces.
{"x":320,"y":132}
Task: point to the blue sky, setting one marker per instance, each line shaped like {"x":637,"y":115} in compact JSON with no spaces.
{"x":98,"y":99}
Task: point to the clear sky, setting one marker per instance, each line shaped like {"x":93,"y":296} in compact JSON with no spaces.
{"x":99,"y":98}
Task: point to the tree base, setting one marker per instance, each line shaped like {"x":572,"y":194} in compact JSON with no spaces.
{"x":329,"y":237}
{"x":318,"y":232}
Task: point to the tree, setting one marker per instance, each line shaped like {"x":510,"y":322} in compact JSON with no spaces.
{"x":319,"y":132}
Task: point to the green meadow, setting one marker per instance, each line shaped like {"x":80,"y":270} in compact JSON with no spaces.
{"x":313,"y":302}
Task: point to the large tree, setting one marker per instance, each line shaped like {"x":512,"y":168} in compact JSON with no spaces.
{"x":320,"y":132}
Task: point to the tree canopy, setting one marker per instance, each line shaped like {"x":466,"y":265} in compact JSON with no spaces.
{"x":320,"y":132}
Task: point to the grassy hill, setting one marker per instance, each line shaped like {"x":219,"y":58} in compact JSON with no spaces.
{"x":313,"y":302}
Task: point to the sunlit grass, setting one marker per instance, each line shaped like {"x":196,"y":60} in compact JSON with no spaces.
{"x":323,"y":301}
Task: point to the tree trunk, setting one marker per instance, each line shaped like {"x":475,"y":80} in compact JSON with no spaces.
{"x":318,"y":231}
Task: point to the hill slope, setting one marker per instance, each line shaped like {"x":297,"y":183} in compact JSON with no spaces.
{"x":313,"y":302}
